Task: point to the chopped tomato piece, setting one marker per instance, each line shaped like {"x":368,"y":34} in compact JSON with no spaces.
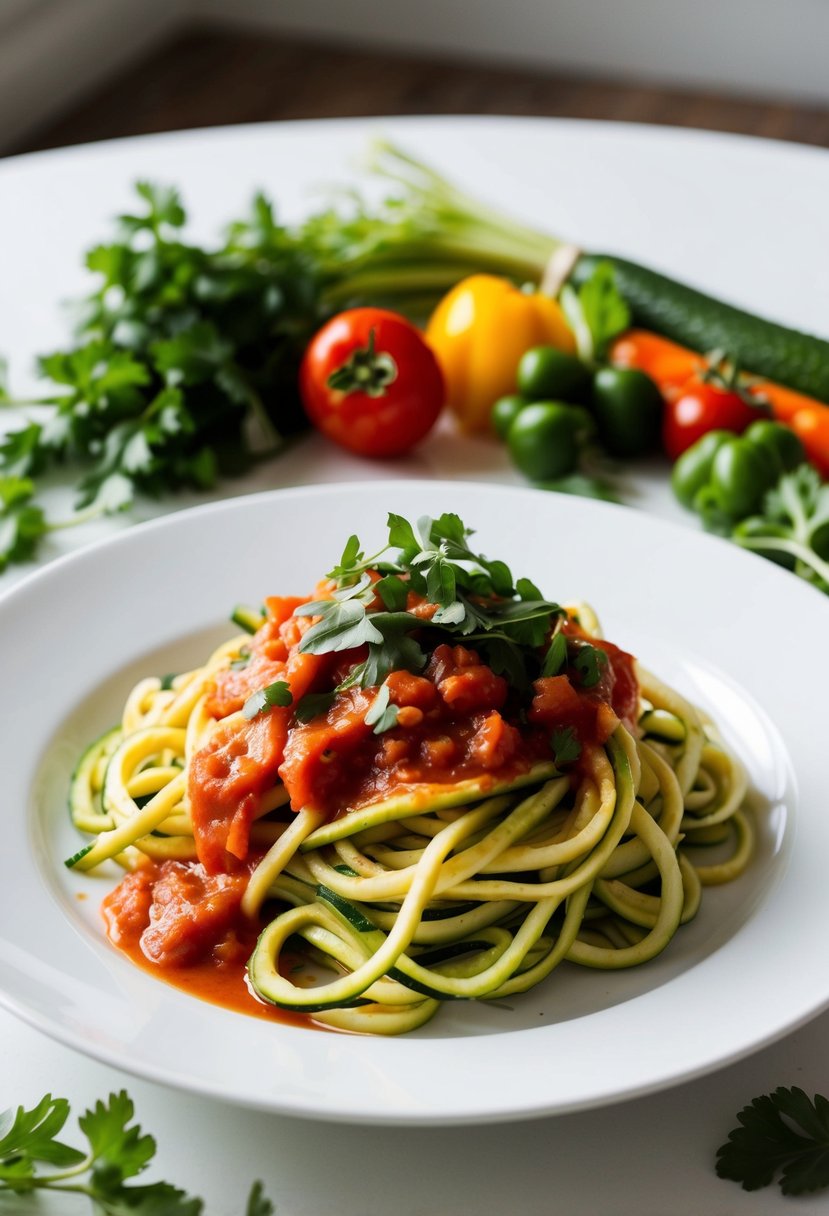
{"x":554,"y":702}
{"x":180,"y":910}
{"x":495,"y":742}
{"x":407,"y":689}
{"x":227,"y":780}
{"x":464,"y":682}
{"x":315,"y":750}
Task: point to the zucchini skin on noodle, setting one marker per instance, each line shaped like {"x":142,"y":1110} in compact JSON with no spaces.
{"x":368,"y":830}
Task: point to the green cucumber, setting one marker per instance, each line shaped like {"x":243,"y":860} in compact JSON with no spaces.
{"x":420,"y":798}
{"x":247,"y":618}
{"x":798,"y":360}
{"x":86,"y":809}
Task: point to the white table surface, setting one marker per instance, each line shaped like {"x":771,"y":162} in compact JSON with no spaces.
{"x":653,"y":1156}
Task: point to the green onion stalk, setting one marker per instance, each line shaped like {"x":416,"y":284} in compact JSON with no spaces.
{"x":420,"y":242}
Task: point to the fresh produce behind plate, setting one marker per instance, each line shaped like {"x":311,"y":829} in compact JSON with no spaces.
{"x":186,"y":366}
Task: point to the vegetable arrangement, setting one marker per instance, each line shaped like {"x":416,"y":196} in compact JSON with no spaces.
{"x":784,"y":1132}
{"x":190,"y":363}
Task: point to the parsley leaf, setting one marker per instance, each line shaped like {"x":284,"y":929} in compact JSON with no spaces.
{"x":783,"y":1131}
{"x":589,"y":664}
{"x":22,"y":522}
{"x":342,"y":626}
{"x":31,"y":1134}
{"x":476,"y":599}
{"x":794,"y":526}
{"x":393,"y":592}
{"x":313,"y":704}
{"x":276,"y":694}
{"x":117,"y":1151}
{"x":258,"y":1202}
{"x":382,"y":715}
{"x":565,"y":746}
{"x":556,"y":656}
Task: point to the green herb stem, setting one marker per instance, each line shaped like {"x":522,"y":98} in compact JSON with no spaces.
{"x":794,"y":548}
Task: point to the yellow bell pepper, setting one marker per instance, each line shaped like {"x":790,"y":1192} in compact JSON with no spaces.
{"x":479,"y":332}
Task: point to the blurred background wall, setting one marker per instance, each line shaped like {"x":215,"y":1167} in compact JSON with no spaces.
{"x":54,"y":53}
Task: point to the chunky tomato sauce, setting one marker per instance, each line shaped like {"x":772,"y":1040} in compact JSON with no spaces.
{"x":175,"y":920}
{"x":457,"y":719}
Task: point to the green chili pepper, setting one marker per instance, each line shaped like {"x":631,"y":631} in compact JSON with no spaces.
{"x":741,"y":473}
{"x":692,"y":471}
{"x":779,"y":441}
{"x":628,"y":409}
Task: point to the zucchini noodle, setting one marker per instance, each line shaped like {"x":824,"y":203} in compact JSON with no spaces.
{"x":371,"y":919}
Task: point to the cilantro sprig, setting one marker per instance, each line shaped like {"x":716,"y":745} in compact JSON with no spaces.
{"x":476,"y":599}
{"x":33,"y":1159}
{"x":794,"y":526}
{"x":784,"y":1132}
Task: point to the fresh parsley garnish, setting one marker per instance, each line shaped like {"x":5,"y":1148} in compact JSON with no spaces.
{"x":784,"y":1132}
{"x":382,"y":715}
{"x":276,"y":694}
{"x":116,"y":1152}
{"x":476,"y":598}
{"x":589,"y":664}
{"x":555,"y":659}
{"x":313,"y":704}
{"x":565,"y":746}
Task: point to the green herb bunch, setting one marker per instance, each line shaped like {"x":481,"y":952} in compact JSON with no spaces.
{"x":33,"y":1160}
{"x":478,"y":602}
{"x":185,"y":360}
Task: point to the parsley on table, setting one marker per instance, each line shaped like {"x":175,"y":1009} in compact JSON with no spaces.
{"x":33,"y":1160}
{"x":22,"y":522}
{"x":785,"y":1132}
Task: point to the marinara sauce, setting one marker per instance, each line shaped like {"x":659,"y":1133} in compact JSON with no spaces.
{"x":455,"y":720}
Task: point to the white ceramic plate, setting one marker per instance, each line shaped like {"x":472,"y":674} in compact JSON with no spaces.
{"x":730,"y":630}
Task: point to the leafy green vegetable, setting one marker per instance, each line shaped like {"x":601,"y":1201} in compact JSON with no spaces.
{"x":476,"y":600}
{"x":784,"y":1131}
{"x":596,"y":311}
{"x":382,"y":715}
{"x":589,"y":663}
{"x":794,"y":526}
{"x":276,"y":694}
{"x":556,"y":657}
{"x":117,"y":1151}
{"x":565,"y":746}
{"x":184,"y":364}
{"x":313,"y":704}
{"x":22,"y":522}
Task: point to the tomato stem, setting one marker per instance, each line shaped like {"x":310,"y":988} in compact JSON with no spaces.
{"x":366,"y":371}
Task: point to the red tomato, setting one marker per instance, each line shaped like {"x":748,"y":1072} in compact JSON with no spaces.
{"x":700,"y":407}
{"x":369,"y":382}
